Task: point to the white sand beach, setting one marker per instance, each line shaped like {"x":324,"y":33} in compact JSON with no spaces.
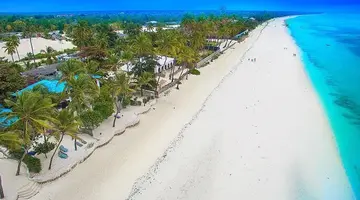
{"x":38,"y":44}
{"x":240,"y":130}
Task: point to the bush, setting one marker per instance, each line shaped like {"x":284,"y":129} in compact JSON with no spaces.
{"x":105,"y":109}
{"x":194,"y":71}
{"x":91,"y":119}
{"x":126,"y":101}
{"x":43,"y":148}
{"x":32,"y":163}
{"x":135,"y":103}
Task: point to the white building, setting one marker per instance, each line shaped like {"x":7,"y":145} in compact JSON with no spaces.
{"x":163,"y":63}
{"x":120,"y":33}
{"x":173,"y":26}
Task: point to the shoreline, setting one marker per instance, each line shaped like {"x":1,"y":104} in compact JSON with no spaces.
{"x":151,"y":138}
{"x":331,"y":112}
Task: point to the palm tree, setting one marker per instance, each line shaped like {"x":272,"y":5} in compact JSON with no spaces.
{"x":49,"y":51}
{"x":92,"y":67}
{"x":29,"y":31}
{"x":181,"y":43}
{"x":82,"y":34}
{"x":69,"y":69}
{"x":142,"y":45}
{"x":16,"y":42}
{"x":10,"y":140}
{"x":188,"y":58}
{"x":145,"y":80}
{"x":67,"y":124}
{"x":119,"y":85}
{"x":102,"y":40}
{"x":167,"y":45}
{"x":34,"y":112}
{"x":82,"y":91}
{"x":10,"y":49}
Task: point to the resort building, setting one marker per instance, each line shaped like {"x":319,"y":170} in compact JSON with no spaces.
{"x":48,"y":70}
{"x":121,"y":34}
{"x":163,"y":63}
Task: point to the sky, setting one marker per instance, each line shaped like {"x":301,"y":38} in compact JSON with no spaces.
{"x":106,"y":5}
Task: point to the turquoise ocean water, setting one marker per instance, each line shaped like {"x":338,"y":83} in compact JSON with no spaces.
{"x":330,"y":45}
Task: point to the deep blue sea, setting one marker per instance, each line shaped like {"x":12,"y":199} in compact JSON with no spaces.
{"x":330,"y":45}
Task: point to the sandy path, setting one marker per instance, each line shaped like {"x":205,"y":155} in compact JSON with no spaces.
{"x":261,"y":135}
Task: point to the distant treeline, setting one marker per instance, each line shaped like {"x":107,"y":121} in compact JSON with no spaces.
{"x":59,"y":21}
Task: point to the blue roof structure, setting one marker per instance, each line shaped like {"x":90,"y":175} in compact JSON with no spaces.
{"x":4,"y":123}
{"x":52,"y":85}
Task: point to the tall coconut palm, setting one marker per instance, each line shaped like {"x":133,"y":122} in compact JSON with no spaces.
{"x":10,"y":49}
{"x":67,"y":124}
{"x":187,"y":58}
{"x":82,"y":92}
{"x":29,"y":31}
{"x":69,"y":69}
{"x":16,"y":42}
{"x":49,"y":52}
{"x":119,"y":85}
{"x":82,"y":34}
{"x":145,"y":80}
{"x":181,"y":43}
{"x":33,"y":113}
{"x":167,"y":45}
{"x":142,"y":45}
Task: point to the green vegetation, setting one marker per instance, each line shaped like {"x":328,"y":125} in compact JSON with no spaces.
{"x":10,"y":80}
{"x":44,"y":148}
{"x":92,"y":99}
{"x":33,"y":164}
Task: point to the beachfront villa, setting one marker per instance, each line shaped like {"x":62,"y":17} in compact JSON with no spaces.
{"x":163,"y":63}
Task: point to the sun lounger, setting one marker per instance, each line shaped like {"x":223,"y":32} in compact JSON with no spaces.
{"x":79,"y":144}
{"x":32,"y":153}
{"x":62,"y":155}
{"x":63,"y":149}
{"x":82,"y":141}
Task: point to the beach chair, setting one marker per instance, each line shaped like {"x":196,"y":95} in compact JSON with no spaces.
{"x":82,"y":141}
{"x":31,"y":153}
{"x":79,"y":144}
{"x":62,"y":155}
{"x":63,"y":149}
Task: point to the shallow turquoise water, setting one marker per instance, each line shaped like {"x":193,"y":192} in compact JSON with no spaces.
{"x":330,"y":45}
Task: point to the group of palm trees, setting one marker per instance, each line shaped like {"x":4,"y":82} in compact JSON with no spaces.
{"x":12,"y":42}
{"x":11,"y":46}
{"x":35,"y":111}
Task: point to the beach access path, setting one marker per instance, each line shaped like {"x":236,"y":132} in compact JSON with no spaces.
{"x":240,"y":130}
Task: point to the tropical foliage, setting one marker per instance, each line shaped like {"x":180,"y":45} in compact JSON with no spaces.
{"x":95,"y":86}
